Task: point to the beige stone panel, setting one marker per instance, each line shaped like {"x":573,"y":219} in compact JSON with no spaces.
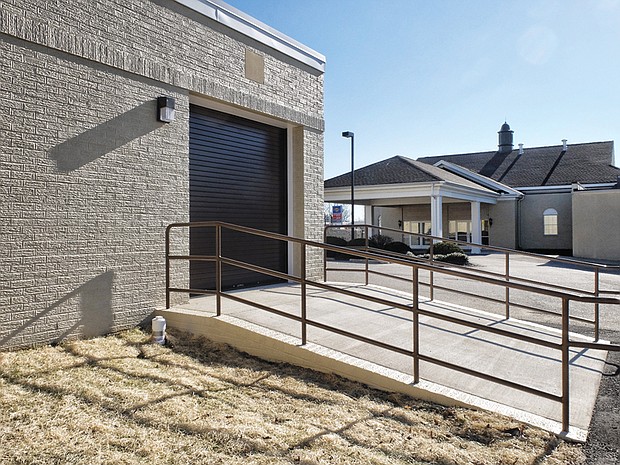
{"x":503,"y":215}
{"x":596,"y":224}
{"x":254,"y":66}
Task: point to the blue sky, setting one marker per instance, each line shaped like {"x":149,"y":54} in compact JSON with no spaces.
{"x":417,"y":78}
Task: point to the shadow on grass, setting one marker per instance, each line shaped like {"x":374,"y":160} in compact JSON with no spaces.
{"x":135,"y":362}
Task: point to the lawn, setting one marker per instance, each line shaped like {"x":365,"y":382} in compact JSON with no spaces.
{"x":123,"y":400}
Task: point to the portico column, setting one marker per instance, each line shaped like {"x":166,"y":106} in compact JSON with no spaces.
{"x":369,"y":214}
{"x":437,"y":216}
{"x":476,"y":230}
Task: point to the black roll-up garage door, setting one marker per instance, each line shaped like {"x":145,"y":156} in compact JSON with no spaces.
{"x":237,"y":173}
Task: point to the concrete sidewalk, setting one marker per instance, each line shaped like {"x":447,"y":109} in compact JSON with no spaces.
{"x":524,"y":363}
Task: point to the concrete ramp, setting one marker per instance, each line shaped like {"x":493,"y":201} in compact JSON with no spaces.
{"x":277,"y":338}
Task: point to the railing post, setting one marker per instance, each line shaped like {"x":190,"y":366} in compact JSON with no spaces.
{"x":507,"y":288}
{"x":325,"y":255}
{"x":303,"y":294}
{"x":430,"y":272}
{"x":168,"y":267}
{"x":416,"y":327}
{"x":596,"y":305}
{"x":565,"y":365}
{"x":218,"y":269}
{"x":367,"y":245}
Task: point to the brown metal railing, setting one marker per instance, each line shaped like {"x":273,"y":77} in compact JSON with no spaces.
{"x":365,"y":232}
{"x":416,"y":266}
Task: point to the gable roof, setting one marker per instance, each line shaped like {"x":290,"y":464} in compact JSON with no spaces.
{"x":589,"y":163}
{"x":399,"y":170}
{"x":395,"y":170}
{"x":477,"y":178}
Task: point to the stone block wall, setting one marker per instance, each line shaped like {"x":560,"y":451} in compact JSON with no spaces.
{"x":89,"y":179}
{"x":172,"y":44}
{"x":314,"y":221}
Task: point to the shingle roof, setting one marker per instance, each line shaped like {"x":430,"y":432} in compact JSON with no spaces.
{"x":444,"y":175}
{"x":398,"y":170}
{"x":588,"y":163}
{"x":395,"y":170}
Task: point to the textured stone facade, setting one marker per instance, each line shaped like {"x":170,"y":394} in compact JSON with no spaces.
{"x":171,"y":44}
{"x":313,"y":181}
{"x":89,"y":179}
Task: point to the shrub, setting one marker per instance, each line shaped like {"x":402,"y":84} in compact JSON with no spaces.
{"x":357,"y":242}
{"x":333,"y":240}
{"x":379,"y":241}
{"x":446,"y":248}
{"x":398,"y":247}
{"x":456,"y":258}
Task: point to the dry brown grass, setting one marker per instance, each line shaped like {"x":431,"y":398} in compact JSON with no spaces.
{"x":122,"y":400}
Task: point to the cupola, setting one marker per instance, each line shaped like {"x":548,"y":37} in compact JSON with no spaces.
{"x":505,"y":139}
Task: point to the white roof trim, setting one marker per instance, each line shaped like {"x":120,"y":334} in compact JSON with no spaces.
{"x":568,"y":187}
{"x":477,"y":178}
{"x":237,"y":20}
{"x":403,"y":191}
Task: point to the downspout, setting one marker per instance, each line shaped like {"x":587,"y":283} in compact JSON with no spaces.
{"x":518,"y":222}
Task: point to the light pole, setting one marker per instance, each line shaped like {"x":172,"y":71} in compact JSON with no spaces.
{"x":350,"y":135}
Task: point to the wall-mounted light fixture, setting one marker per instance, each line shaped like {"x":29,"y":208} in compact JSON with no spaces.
{"x":165,"y":109}
{"x":490,"y":222}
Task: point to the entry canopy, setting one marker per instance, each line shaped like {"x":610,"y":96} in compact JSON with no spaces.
{"x":400,"y":180}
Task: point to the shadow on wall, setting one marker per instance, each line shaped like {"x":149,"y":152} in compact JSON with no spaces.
{"x":106,"y":137}
{"x":95,"y":310}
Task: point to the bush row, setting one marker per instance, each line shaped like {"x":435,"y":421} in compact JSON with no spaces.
{"x":456,"y":258}
{"x":448,"y":252}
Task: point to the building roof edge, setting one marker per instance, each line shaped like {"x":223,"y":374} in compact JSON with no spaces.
{"x":241,"y":22}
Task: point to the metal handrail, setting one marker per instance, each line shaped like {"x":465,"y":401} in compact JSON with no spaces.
{"x":414,"y":307}
{"x":432,"y":285}
{"x":473,"y":244}
{"x":595,"y":267}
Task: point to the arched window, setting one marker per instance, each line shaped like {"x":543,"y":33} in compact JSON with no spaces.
{"x":550,"y":222}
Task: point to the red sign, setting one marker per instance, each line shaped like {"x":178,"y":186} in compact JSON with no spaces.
{"x":337,"y":213}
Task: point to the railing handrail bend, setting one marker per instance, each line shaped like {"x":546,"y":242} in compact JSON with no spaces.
{"x":415,"y":265}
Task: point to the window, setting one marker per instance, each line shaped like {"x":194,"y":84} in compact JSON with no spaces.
{"x":462,"y":230}
{"x":485,"y":231}
{"x":420,"y":227}
{"x":424,"y":227}
{"x":550,"y":222}
{"x":459,"y":230}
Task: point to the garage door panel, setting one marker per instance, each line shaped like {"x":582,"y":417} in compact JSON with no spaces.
{"x":199,"y":172}
{"x":231,"y":157}
{"x":243,"y":142}
{"x":234,"y":155}
{"x":237,"y":175}
{"x":257,"y":251}
{"x":224,"y":123}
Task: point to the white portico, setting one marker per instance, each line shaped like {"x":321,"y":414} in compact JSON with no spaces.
{"x":416,"y":197}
